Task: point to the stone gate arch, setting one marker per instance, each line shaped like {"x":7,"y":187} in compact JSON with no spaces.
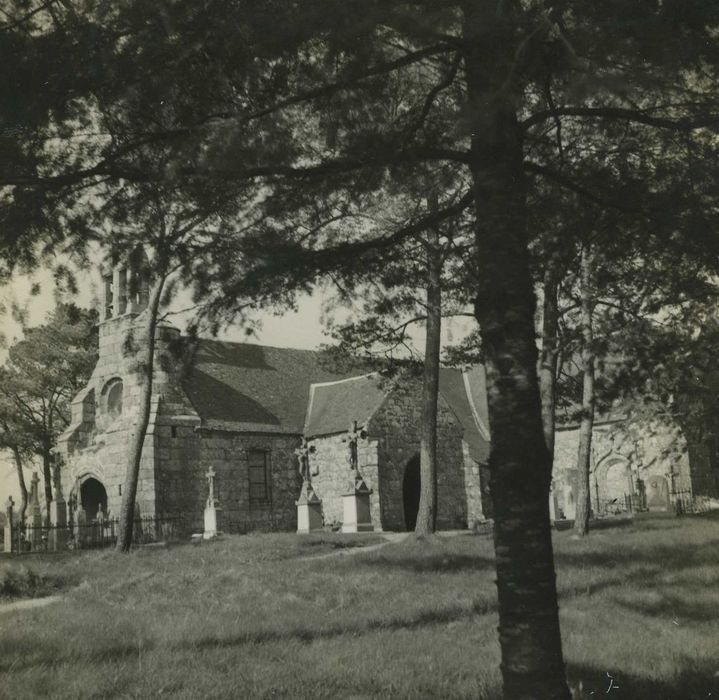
{"x":613,"y":479}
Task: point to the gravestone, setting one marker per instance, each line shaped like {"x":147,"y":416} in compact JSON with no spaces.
{"x":59,"y":533}
{"x":35,"y":512}
{"x":657,"y":493}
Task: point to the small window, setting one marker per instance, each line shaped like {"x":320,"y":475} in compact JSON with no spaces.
{"x":107,"y":280}
{"x":259,"y":487}
{"x":122,"y":292}
{"x":173,"y":430}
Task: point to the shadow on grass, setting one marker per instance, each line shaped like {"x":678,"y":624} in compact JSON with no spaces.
{"x":28,"y":655}
{"x":694,"y":684}
{"x":426,"y":618}
{"x":673,"y":608}
{"x":43,"y":654}
{"x":441,"y":562}
{"x":343,"y":544}
{"x":669,"y":556}
{"x":610,"y":523}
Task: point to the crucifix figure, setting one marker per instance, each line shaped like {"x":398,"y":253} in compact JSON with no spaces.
{"x":353,"y":435}
{"x":210,"y":476}
{"x":303,"y":457}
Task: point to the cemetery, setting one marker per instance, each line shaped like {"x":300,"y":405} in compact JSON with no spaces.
{"x":359,"y":349}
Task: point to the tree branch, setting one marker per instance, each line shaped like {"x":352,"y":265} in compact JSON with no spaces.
{"x":621,"y":114}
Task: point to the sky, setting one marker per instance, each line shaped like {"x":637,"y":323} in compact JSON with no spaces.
{"x":302,"y":328}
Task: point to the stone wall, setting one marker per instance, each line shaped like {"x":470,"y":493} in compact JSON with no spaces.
{"x":97,"y":440}
{"x":396,"y":426}
{"x":476,"y":484}
{"x":393,"y":440}
{"x":184,"y":460}
{"x":330,"y":471}
{"x":626,"y":457}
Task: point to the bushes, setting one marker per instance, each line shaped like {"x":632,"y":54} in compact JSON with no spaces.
{"x":22,"y":582}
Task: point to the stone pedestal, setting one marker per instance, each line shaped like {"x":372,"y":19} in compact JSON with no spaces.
{"x":211,"y":529}
{"x":309,"y":510}
{"x":59,"y":533}
{"x":356,"y":507}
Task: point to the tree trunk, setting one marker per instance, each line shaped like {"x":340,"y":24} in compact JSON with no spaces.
{"x":427,"y":513}
{"x":137,"y":439}
{"x":520,"y":467}
{"x":21,"y":483}
{"x":581,"y":519}
{"x":549,"y":355}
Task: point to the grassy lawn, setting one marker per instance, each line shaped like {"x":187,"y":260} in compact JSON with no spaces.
{"x":264,"y":616}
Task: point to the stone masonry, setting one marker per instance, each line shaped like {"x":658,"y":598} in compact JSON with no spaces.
{"x":393,"y":440}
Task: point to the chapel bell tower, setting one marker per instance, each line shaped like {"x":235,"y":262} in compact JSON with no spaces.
{"x":125,"y":286}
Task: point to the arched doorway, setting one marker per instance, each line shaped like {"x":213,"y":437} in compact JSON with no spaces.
{"x":618,"y":480}
{"x":411,"y":486}
{"x":93,"y":498}
{"x":657,"y":493}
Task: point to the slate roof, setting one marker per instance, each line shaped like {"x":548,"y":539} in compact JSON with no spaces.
{"x":466,"y":394}
{"x":335,"y":405}
{"x":256,"y":388}
{"x":242,"y":386}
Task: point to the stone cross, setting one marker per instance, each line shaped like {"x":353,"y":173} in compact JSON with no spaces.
{"x":303,"y":456}
{"x":210,"y":476}
{"x":34,"y":489}
{"x":57,"y":480}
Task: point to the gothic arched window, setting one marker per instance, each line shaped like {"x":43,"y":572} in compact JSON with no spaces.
{"x":113,"y":397}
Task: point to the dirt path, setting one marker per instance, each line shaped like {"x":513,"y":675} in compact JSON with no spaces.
{"x":387,"y":538}
{"x":30,"y":603}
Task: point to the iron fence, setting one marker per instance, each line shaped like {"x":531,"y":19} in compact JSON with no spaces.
{"x":620,"y":505}
{"x":31,"y":538}
{"x":686,"y":503}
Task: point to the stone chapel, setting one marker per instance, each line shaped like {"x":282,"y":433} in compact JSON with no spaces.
{"x":243,"y":410}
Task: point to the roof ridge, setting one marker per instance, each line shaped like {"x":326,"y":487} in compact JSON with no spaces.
{"x":254,"y":345}
{"x":341,"y":381}
{"x":483,"y":429}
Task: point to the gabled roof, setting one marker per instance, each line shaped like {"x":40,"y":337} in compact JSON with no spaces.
{"x":335,"y":405}
{"x":466,"y":393}
{"x":242,"y":386}
{"x":256,"y":388}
